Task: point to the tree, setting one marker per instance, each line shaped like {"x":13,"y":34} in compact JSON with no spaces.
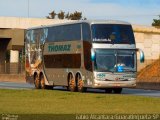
{"x":61,"y":15}
{"x":52,"y":15}
{"x":76,"y":16}
{"x":70,"y":16}
{"x":67,"y":16}
{"x":156,"y":22}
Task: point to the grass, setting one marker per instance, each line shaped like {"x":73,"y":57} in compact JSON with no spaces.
{"x":64,"y":102}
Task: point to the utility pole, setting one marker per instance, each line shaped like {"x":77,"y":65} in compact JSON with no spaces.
{"x":28,"y":8}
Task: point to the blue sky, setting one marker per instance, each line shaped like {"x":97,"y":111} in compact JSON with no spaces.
{"x":134,"y":11}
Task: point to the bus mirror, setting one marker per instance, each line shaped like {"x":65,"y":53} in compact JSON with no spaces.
{"x":93,"y":54}
{"x":141,"y":55}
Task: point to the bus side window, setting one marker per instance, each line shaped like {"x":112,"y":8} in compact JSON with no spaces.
{"x":72,"y":32}
{"x":32,"y":47}
{"x":86,"y":32}
{"x":62,"y":61}
{"x":87,"y":55}
{"x":64,"y":33}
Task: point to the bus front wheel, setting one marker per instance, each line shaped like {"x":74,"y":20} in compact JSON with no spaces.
{"x":108,"y":90}
{"x":42,"y":82}
{"x":117,"y":90}
{"x":37,"y":81}
{"x":72,"y":83}
{"x":80,"y":84}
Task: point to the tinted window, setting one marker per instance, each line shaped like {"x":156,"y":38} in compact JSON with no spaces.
{"x":32,"y":37}
{"x":112,"y":33}
{"x":87,"y":55}
{"x":86,"y":32}
{"x":27,"y":36}
{"x":125,"y":59}
{"x":62,"y":61}
{"x":64,"y":33}
{"x":105,"y":60}
{"x":27,"y":41}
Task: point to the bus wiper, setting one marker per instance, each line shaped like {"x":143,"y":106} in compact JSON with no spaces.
{"x":128,"y":70}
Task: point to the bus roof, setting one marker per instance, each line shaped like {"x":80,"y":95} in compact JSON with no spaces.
{"x":84,"y":21}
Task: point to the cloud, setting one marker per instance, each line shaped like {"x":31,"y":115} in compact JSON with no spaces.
{"x":137,"y":12}
{"x":101,"y":9}
{"x":133,"y":2}
{"x":88,"y":8}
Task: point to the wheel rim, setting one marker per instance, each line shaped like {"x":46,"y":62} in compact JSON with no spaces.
{"x":37,"y":84}
{"x":42,"y":82}
{"x":80,"y":84}
{"x":72,"y":83}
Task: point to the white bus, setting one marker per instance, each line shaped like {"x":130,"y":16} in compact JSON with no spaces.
{"x":81,"y":55}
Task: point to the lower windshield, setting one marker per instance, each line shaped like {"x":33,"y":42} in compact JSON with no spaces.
{"x":105,"y":60}
{"x":115,"y":61}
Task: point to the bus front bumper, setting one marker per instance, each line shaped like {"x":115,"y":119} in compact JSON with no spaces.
{"x":114,"y":84}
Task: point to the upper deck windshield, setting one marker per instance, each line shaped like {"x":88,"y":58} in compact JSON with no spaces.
{"x":112,"y":34}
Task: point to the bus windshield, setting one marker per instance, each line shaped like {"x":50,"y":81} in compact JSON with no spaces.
{"x":115,"y":61}
{"x":112,"y":34}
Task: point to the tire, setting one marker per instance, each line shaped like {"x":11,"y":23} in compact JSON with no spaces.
{"x":42,"y":82}
{"x":80,"y":84}
{"x":108,"y":90}
{"x":37,"y":82}
{"x":72,"y":83}
{"x":49,"y":87}
{"x":117,"y":90}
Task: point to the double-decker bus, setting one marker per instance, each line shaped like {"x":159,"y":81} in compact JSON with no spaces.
{"x":82,"y":54}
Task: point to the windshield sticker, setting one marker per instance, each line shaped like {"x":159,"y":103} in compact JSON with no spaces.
{"x":120,"y":68}
{"x":101,"y":75}
{"x":99,"y":40}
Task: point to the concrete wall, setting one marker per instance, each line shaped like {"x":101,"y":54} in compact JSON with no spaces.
{"x":16,"y":37}
{"x":24,"y":23}
{"x":147,"y":39}
{"x":10,"y":39}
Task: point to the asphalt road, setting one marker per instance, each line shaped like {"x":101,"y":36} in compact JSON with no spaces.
{"x":140,"y":92}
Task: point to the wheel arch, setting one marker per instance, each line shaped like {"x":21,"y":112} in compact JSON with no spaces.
{"x":40,"y":74}
{"x":35,"y":74}
{"x":76,"y":76}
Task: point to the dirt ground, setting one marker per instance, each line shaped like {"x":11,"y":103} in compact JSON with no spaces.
{"x":151,"y":73}
{"x":149,"y":77}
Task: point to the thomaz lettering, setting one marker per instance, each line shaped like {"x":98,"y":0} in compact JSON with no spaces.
{"x":56,"y":48}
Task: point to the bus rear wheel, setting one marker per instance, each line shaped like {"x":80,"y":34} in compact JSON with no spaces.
{"x":117,"y":90}
{"x":80,"y":84}
{"x":42,"y":82}
{"x":37,"y":82}
{"x":72,"y":83}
